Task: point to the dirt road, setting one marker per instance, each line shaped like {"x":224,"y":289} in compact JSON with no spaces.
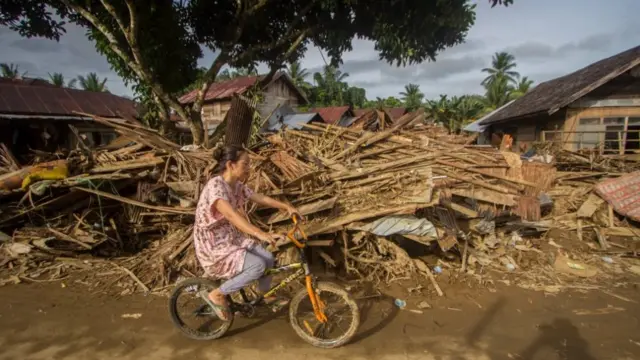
{"x":55,"y":322}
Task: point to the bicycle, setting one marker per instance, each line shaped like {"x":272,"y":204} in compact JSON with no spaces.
{"x":322,"y":321}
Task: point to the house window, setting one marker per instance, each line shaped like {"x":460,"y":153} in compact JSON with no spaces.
{"x":588,"y":136}
{"x":613,"y":134}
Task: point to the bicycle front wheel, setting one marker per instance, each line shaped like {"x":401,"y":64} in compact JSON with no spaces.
{"x":341,"y":310}
{"x":192,"y":315}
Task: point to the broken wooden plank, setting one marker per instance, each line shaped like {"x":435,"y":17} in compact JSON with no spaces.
{"x":320,"y":243}
{"x":473,"y":181}
{"x":485,"y":195}
{"x":127,"y":165}
{"x":621,"y":232}
{"x":589,"y":207}
{"x":470,"y":169}
{"x":462,"y":210}
{"x":328,"y":259}
{"x":173,"y":210}
{"x":305,"y":209}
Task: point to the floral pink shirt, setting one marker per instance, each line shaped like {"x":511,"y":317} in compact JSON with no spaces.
{"x":220,"y":247}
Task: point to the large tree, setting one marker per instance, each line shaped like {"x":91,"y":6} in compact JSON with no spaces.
{"x":58,"y":80}
{"x":154,"y":45}
{"x":412,"y":96}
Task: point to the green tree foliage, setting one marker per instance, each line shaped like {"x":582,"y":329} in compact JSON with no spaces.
{"x":154,"y":45}
{"x":503,"y":83}
{"x":455,"y":112}
{"x":355,"y":96}
{"x":330,"y":87}
{"x":298,"y":74}
{"x":58,"y":80}
{"x":522,"y":87}
{"x":412,"y":96}
{"x":502,"y":67}
{"x":92,"y":82}
{"x":11,"y":71}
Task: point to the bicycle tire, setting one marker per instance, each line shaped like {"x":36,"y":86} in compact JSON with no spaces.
{"x":185,"y":330}
{"x":327,"y":344}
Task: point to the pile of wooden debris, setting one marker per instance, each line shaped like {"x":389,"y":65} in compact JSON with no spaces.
{"x":125,"y":212}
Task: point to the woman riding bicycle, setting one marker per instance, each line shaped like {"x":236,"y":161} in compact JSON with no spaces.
{"x":224,"y":238}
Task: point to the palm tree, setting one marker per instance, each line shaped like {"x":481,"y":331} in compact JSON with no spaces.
{"x":298,"y":74}
{"x":330,"y":86}
{"x":57,"y":79}
{"x":11,"y":71}
{"x":499,"y":92}
{"x":412,"y":96}
{"x":92,"y":83}
{"x":522,"y":87}
{"x":502,"y":66}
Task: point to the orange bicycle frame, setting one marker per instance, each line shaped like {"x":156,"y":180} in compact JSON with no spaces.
{"x":318,"y":305}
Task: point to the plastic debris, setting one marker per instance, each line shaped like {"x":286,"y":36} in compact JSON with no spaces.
{"x":400,"y":303}
{"x":424,"y":305}
{"x":131,"y":316}
{"x":437,"y":269}
{"x":607,"y":259}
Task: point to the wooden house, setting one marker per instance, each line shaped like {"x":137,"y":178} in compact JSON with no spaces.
{"x":596,"y":107}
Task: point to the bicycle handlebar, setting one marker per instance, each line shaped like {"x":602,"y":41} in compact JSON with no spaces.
{"x":297,"y":229}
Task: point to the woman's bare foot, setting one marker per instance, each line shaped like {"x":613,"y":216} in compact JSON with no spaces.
{"x":221,"y":307}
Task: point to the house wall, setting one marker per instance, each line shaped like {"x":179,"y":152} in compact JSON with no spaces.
{"x":214,"y":112}
{"x":613,"y":107}
{"x":278,"y":92}
{"x":529,"y":130}
{"x":281,"y":92}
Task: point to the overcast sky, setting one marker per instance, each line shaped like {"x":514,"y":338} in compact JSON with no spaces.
{"x":548,"y":37}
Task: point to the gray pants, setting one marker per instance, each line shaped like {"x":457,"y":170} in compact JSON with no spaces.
{"x":256,"y":260}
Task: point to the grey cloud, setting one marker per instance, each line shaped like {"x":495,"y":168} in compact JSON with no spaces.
{"x":538,"y":50}
{"x":531,"y":50}
{"x":592,"y":43}
{"x":36,"y":45}
{"x":448,"y":67}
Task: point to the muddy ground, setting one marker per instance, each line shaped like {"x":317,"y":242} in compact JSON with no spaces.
{"x":56,"y":321}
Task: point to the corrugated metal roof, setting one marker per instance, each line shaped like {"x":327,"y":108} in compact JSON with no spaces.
{"x":226,"y":89}
{"x":285,"y":116}
{"x":394,"y":113}
{"x":346,"y":121}
{"x":23,"y":99}
{"x":331,"y":115}
{"x":476,"y":125}
{"x":223,"y":90}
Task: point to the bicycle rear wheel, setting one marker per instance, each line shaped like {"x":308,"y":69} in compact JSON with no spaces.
{"x":201,"y":322}
{"x":342,"y":313}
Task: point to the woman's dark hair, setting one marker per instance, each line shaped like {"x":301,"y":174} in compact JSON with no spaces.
{"x":225,"y":154}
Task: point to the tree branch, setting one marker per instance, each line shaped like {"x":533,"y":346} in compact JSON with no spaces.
{"x":208,"y":78}
{"x":133,"y":22}
{"x":112,"y":11}
{"x":137,"y":68}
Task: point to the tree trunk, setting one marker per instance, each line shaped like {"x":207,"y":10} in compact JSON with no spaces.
{"x":195,"y":125}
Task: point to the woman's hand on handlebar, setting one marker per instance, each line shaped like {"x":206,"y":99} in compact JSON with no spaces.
{"x":293,"y":212}
{"x":269,"y":238}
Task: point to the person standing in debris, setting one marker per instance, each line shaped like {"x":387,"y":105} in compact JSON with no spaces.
{"x":224,"y":238}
